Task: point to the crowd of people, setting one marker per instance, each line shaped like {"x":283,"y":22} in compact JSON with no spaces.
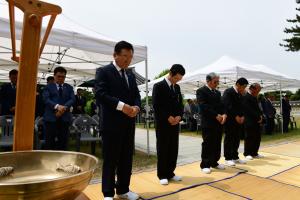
{"x":237,"y":110}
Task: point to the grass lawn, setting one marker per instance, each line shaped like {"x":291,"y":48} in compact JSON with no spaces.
{"x":141,"y":161}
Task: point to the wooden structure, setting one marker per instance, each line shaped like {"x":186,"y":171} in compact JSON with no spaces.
{"x":31,"y":49}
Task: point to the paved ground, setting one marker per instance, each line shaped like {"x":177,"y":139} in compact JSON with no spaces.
{"x":189,"y":147}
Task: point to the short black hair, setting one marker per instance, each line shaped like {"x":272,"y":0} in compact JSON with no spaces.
{"x":242,"y":81}
{"x":123,"y":45}
{"x":50,"y":78}
{"x":60,"y":69}
{"x":177,"y":69}
{"x":13,"y":72}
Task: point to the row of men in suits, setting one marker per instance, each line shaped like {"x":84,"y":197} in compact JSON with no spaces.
{"x":234,"y":112}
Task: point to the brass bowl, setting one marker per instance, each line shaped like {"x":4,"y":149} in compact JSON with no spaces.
{"x":35,"y":175}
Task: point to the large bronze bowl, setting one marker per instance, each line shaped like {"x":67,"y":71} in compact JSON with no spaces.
{"x":35,"y":175}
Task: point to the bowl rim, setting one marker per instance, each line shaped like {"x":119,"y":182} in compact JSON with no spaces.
{"x":54,"y":179}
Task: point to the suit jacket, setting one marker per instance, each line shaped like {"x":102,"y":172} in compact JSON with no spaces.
{"x":268,"y":108}
{"x":79,"y":102}
{"x":51,"y":98}
{"x":166,"y":103}
{"x":251,"y":110}
{"x":233,"y":105}
{"x":210,"y":106}
{"x":286,"y":107}
{"x":110,"y":89}
{"x":7,"y":98}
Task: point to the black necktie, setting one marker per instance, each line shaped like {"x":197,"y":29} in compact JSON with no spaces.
{"x":60,"y":90}
{"x":172,"y":88}
{"x":124,"y":78}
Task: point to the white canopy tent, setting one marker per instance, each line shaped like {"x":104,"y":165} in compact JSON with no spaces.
{"x":77,"y":49}
{"x":230,"y":70}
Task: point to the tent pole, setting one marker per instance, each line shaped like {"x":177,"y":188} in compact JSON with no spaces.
{"x":147,"y":101}
{"x":280,"y":100}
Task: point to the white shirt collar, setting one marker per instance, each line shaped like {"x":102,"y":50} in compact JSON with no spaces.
{"x":57,"y":85}
{"x":117,"y":66}
{"x":168,"y":81}
{"x":209,"y":87}
{"x":234,"y":87}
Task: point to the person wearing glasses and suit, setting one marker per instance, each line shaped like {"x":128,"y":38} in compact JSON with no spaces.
{"x":168,"y":111}
{"x":213,"y":118}
{"x":58,"y":98}
{"x":117,"y":94}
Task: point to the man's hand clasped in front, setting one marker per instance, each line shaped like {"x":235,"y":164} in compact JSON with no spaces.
{"x":174,"y":120}
{"x":130,"y":111}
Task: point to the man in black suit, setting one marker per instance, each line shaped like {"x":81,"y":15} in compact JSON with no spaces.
{"x":269,"y":112}
{"x":80,"y":102}
{"x":286,"y":113}
{"x":117,"y":93}
{"x":8,"y":94}
{"x":168,"y":111}
{"x":253,"y":121}
{"x":58,"y":98}
{"x":232,"y":100}
{"x":213,"y":118}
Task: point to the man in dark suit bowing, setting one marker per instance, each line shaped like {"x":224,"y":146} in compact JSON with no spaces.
{"x":58,"y":98}
{"x":232,"y":100}
{"x":117,"y":93}
{"x":253,"y":121}
{"x":213,"y":118}
{"x":8,"y":94}
{"x":168,"y":111}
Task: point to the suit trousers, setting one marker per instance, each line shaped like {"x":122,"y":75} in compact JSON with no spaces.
{"x":211,"y":146}
{"x":286,"y":121}
{"x":167,"y":139}
{"x":232,"y":140}
{"x":270,"y":124}
{"x":117,"y":153}
{"x":56,"y":135}
{"x":252,"y":140}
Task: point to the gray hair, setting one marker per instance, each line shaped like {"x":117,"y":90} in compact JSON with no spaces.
{"x":254,"y":86}
{"x":211,"y":76}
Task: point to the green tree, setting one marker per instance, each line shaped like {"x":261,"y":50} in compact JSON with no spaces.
{"x":293,"y":43}
{"x":164,"y":72}
{"x":296,"y":96}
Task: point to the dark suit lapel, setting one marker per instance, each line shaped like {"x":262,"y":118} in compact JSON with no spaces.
{"x":118,"y":76}
{"x":167,"y":87}
{"x":131,"y":80}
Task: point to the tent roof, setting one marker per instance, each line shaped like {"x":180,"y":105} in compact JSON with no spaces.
{"x":229,"y":70}
{"x":74,"y":47}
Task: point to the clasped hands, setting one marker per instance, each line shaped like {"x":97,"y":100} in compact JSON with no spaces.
{"x":221,"y":118}
{"x":174,"y":120}
{"x":130,"y":111}
{"x":60,"y":110}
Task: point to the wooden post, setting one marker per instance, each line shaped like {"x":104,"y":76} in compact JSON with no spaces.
{"x":34,"y":11}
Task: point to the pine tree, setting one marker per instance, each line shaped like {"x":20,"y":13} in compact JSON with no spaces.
{"x":293,"y":43}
